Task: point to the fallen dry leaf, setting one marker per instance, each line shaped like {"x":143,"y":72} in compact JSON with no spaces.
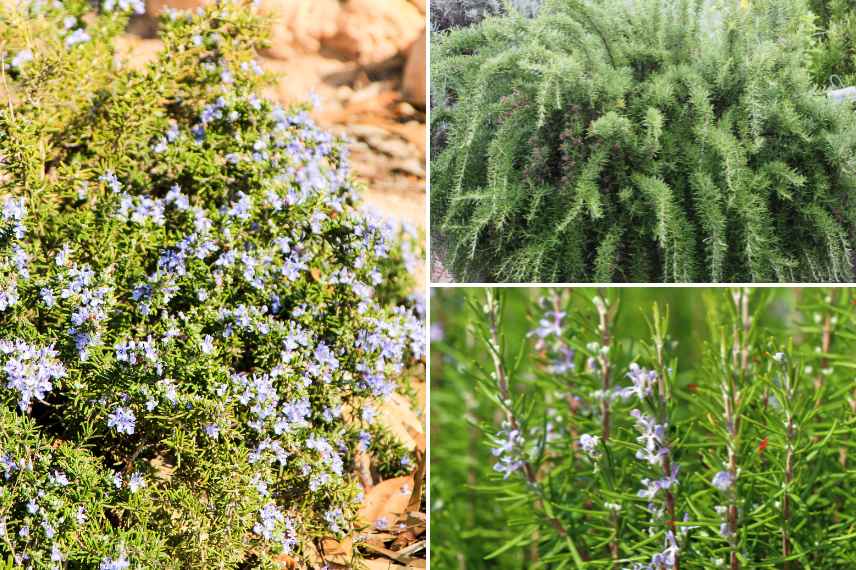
{"x":340,"y":552}
{"x":397,"y":415}
{"x":286,"y":562}
{"x":415,"y":502}
{"x":379,"y":538}
{"x":387,"y":499}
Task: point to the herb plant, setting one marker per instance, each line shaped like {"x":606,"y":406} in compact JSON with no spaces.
{"x":833,"y":58}
{"x":197,"y":317}
{"x":641,"y":140}
{"x":657,"y":429}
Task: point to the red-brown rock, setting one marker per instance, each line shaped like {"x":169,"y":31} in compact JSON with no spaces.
{"x":413,"y":81}
{"x":296,"y":25}
{"x":374,"y":30}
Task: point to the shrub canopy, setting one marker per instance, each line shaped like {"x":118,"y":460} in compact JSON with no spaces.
{"x":197,"y":318}
{"x":642,"y":140}
{"x":833,"y":58}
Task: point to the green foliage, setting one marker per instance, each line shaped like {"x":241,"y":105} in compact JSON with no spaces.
{"x":197,"y":317}
{"x":681,"y":138}
{"x":833,"y":59}
{"x":753,"y":381}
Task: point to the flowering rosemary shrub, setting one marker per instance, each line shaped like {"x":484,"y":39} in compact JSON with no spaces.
{"x":197,"y":318}
{"x":641,"y":140}
{"x":588,"y":430}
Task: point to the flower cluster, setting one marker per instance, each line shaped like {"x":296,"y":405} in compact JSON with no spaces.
{"x":654,"y":450}
{"x":29,"y":370}
{"x":549,"y":337}
{"x":508,"y":451}
{"x":14,"y":267}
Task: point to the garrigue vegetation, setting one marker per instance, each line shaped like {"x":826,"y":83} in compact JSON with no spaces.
{"x":643,"y":429}
{"x":833,"y":59}
{"x":641,"y":140}
{"x":197,"y":317}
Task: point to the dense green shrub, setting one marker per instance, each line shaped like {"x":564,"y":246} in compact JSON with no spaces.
{"x":641,"y":140}
{"x":197,"y":317}
{"x":833,"y":58}
{"x":567,"y":435}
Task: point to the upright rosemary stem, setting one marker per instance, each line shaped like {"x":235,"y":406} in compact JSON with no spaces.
{"x":573,"y":403}
{"x":730,"y":400}
{"x":663,"y":394}
{"x":492,"y":311}
{"x":825,"y":342}
{"x":604,"y":328}
{"x":603,"y":361}
{"x":789,"y":466}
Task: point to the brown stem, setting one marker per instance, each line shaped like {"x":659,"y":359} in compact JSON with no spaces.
{"x":731,"y":398}
{"x":603,"y":362}
{"x":605,"y":320}
{"x":505,"y":394}
{"x":667,"y":462}
{"x":789,"y":470}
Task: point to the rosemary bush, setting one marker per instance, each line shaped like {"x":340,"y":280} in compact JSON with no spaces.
{"x":833,"y":58}
{"x":709,"y":429}
{"x":641,"y":140}
{"x":197,"y":317}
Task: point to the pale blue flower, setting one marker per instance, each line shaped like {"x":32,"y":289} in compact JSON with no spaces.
{"x":123,"y":419}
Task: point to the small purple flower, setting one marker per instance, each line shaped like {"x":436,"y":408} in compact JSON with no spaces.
{"x":136,"y":482}
{"x":21,"y":58}
{"x":48,"y":297}
{"x":207,"y":345}
{"x":589,"y":443}
{"x":550,"y":325}
{"x":121,"y":563}
{"x":269,"y":516}
{"x":212,"y":431}
{"x":123,"y":419}
{"x":78,"y":36}
{"x":32,"y":507}
{"x":643,"y":381}
{"x":723,"y":480}
{"x":668,"y":557}
{"x":59,"y":478}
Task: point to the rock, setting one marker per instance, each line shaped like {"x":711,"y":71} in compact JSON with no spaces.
{"x":374,"y":30}
{"x":413,"y":82}
{"x":300,"y":25}
{"x":155,"y":7}
{"x":296,"y":25}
